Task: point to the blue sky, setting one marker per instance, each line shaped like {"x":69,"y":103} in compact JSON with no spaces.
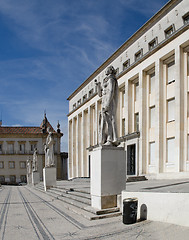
{"x":49,"y":47}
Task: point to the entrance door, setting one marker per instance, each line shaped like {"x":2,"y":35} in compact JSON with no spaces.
{"x":131,"y":161}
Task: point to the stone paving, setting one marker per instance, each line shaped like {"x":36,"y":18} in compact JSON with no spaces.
{"x":26,"y":213}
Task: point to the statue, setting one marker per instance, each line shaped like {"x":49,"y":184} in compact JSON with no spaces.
{"x":49,"y":150}
{"x":28,"y":166}
{"x":35,"y":163}
{"x":107,"y":118}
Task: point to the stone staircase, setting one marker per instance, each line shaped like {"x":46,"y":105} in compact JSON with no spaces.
{"x":78,"y":201}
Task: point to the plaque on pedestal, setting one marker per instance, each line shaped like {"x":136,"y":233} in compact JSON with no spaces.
{"x":49,"y":177}
{"x":35,"y":178}
{"x":108,"y":175}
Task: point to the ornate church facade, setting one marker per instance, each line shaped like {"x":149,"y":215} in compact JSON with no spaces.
{"x":153,"y":107}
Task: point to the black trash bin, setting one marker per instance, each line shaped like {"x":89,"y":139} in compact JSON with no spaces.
{"x":130,"y":206}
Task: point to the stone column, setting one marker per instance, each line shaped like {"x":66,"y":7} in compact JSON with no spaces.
{"x":184,"y":111}
{"x":82,"y":143}
{"x":157,"y":117}
{"x":179,"y":91}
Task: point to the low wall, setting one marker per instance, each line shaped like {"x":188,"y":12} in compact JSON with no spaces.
{"x":163,"y":207}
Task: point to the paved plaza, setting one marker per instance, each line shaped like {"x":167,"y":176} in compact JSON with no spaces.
{"x":27,"y":213}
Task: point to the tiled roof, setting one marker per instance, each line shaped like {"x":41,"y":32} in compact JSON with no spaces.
{"x":20,"y":130}
{"x":26,"y":130}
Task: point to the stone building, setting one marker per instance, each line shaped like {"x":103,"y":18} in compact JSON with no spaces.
{"x":153,"y":109}
{"x":17,"y":144}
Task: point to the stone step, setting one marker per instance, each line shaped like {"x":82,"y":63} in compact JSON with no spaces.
{"x":72,"y":191}
{"x":70,"y":196}
{"x":79,"y":208}
{"x":136,"y":178}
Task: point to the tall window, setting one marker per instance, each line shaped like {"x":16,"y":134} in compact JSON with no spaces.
{"x":136,"y":122}
{"x":152,"y":83}
{"x":171,"y":110}
{"x":152,"y":117}
{"x":33,"y":146}
{"x":10,"y":148}
{"x":152,"y":153}
{"x":136,"y":91}
{"x":123,"y":127}
{"x":171,"y":72}
{"x":171,"y":150}
{"x":22,"y":147}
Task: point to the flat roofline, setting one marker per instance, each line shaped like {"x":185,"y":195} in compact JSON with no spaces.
{"x":132,"y":39}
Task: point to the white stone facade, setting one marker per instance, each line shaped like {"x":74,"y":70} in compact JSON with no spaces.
{"x":17,"y":144}
{"x":152,"y":115}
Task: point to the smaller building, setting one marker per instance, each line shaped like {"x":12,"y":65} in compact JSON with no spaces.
{"x":17,"y":144}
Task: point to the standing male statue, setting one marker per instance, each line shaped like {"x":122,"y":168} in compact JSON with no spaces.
{"x":49,"y":150}
{"x":107,"y":118}
{"x":28,"y":166}
{"x":35,"y":161}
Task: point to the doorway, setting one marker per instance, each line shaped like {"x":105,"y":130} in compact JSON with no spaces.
{"x":131,"y":159}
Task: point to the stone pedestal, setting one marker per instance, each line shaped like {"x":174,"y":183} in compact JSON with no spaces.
{"x":49,"y":177}
{"x":108,"y":176}
{"x":29,"y":179}
{"x":35,"y":178}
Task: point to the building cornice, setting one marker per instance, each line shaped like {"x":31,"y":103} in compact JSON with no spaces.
{"x":129,"y":42}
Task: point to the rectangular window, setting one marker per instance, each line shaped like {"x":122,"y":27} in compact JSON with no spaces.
{"x":10,"y":148}
{"x":23,"y":164}
{"x":123,"y":127}
{"x":2,"y":179}
{"x":186,"y":18}
{"x":152,"y":117}
{"x":1,"y":148}
{"x":136,"y":122}
{"x":12,"y":178}
{"x":126,"y":64}
{"x":79,"y":102}
{"x":152,"y":153}
{"x":137,"y":91}
{"x":171,"y":150}
{"x":33,"y":146}
{"x":171,"y":72}
{"x":169,"y":31}
{"x":84,"y":97}
{"x":11,"y":164}
{"x":138,"y":55}
{"x":152,"y":83}
{"x":1,"y":164}
{"x":171,"y":110}
{"x":153,"y":43}
{"x":91,"y":92}
{"x":23,"y":178}
{"x":22,"y":148}
{"x":74,"y":105}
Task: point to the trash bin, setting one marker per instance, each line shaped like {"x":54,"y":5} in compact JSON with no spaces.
{"x":130,"y":206}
